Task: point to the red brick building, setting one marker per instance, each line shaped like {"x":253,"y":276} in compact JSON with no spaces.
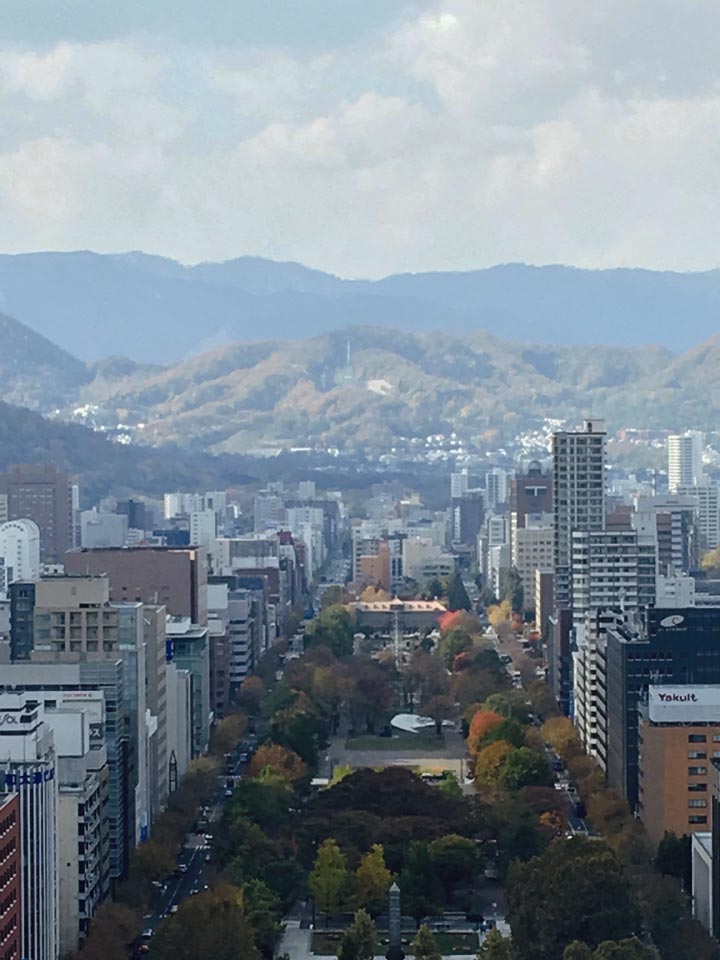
{"x":10,"y":853}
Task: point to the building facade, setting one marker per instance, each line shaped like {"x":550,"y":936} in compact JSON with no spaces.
{"x":578,"y":496}
{"x":171,"y":577}
{"x":28,"y":768}
{"x":44,"y":495}
{"x":11,"y":888}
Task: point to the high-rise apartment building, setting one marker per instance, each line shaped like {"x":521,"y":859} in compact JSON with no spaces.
{"x":10,"y":891}
{"x":685,"y":465}
{"x":708,"y":512}
{"x":578,"y":496}
{"x":613,"y":571}
{"x":43,"y":494}
{"x":28,"y":768}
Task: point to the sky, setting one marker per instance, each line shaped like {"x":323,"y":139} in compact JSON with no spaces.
{"x":364,"y":137}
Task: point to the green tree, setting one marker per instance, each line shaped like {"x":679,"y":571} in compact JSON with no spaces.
{"x":457,"y":596}
{"x":588,"y":900}
{"x":673,"y":858}
{"x":263,"y":910}
{"x":228,"y":733}
{"x":424,"y":946}
{"x":333,"y":628}
{"x":496,"y":947}
{"x":452,"y":643}
{"x":455,"y":859}
{"x":329,"y":876}
{"x":577,"y":951}
{"x":511,"y":588}
{"x":332,"y":596}
{"x":210,"y":924}
{"x":373,"y":879}
{"x":525,"y":768}
{"x":422,"y":892}
{"x":360,"y":941}
{"x":490,"y":762}
{"x":628,"y":949}
{"x":434,"y":588}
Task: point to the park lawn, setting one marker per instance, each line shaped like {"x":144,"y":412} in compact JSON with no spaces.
{"x":450,"y":943}
{"x":325,"y":944}
{"x":417,"y":742}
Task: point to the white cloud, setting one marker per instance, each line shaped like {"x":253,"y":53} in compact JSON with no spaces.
{"x":475,"y":132}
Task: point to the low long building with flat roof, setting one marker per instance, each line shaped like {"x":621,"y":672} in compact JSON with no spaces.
{"x":382,"y":616}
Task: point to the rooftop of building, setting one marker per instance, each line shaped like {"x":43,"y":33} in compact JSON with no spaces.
{"x":400,"y":606}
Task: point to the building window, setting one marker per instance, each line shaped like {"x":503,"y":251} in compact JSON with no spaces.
{"x":697,"y":755}
{"x":697,"y":787}
{"x":697,"y":803}
{"x":697,"y":771}
{"x":697,"y":738}
{"x":694,"y":818}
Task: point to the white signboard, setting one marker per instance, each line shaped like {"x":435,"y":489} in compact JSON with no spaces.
{"x":696,"y":703}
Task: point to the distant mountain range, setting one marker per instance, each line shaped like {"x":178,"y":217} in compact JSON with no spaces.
{"x":362,"y":389}
{"x":157,"y":311}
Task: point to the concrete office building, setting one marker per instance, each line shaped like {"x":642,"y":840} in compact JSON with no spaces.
{"x":172,"y":577}
{"x":98,"y":687}
{"x":468,"y":516}
{"x":154,"y":624}
{"x":676,"y":522}
{"x":189,"y":649}
{"x":685,"y":465}
{"x":180,"y":727}
{"x":28,"y":768}
{"x":578,"y":496}
{"x":496,"y":487}
{"x":705,"y":860}
{"x":19,"y":552}
{"x":531,"y":549}
{"x":102,"y":529}
{"x":531,"y":494}
{"x":544,"y":599}
{"x":10,"y":860}
{"x":679,"y":737}
{"x":82,"y":829}
{"x":44,"y":495}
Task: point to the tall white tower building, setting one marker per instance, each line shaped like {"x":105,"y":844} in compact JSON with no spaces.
{"x":685,"y":466}
{"x":19,"y":552}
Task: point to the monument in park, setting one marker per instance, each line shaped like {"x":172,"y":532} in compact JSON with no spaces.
{"x":395,"y":950}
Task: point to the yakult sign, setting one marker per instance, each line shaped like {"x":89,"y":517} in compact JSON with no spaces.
{"x":695,"y":703}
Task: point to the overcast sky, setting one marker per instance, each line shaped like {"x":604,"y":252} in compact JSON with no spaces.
{"x":364,"y":136}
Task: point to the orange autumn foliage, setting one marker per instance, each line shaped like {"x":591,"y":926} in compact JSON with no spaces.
{"x":483,"y":723}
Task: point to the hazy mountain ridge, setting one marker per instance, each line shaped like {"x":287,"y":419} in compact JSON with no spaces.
{"x":157,"y":310}
{"x":283,"y":393}
{"x":34,"y":372}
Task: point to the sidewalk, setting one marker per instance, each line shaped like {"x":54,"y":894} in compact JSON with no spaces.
{"x":295,"y":942}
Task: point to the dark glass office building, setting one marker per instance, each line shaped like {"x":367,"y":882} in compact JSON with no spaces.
{"x":677,"y":646}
